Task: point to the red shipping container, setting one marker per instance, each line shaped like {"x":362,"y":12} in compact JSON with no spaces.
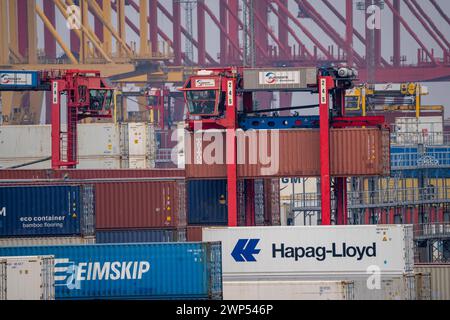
{"x":155,"y":204}
{"x":90,"y":174}
{"x":289,"y":153}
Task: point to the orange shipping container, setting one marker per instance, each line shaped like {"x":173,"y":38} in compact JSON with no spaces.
{"x":289,"y":153}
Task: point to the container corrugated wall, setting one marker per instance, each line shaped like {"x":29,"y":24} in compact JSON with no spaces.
{"x":140,"y":236}
{"x":134,"y":271}
{"x":90,"y":174}
{"x":41,"y":241}
{"x":207,"y":202}
{"x":2,"y":279}
{"x":149,"y":204}
{"x":46,"y":210}
{"x":353,"y":151}
{"x":440,"y":279}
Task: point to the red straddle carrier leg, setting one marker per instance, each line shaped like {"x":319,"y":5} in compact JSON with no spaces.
{"x":325,"y":84}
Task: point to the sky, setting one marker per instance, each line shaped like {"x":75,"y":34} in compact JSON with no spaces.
{"x":438,"y":91}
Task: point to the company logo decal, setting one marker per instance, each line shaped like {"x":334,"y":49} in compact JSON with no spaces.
{"x":270,"y":77}
{"x":4,"y":78}
{"x":245,"y":250}
{"x":71,"y":275}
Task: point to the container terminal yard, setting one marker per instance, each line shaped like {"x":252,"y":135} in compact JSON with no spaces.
{"x":224,"y":150}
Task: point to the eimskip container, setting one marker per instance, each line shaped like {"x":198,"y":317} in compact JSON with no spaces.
{"x":133,"y":271}
{"x":270,"y":253}
{"x":30,"y":278}
{"x":32,"y":211}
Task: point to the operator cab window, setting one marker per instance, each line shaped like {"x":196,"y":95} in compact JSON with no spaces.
{"x":202,"y":102}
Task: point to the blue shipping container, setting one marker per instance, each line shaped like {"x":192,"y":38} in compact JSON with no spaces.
{"x":207,"y":202}
{"x":140,"y":235}
{"x":46,"y":211}
{"x":133,"y":271}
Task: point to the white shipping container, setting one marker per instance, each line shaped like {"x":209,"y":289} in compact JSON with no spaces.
{"x":50,"y":241}
{"x":2,"y":279}
{"x":439,"y":279}
{"x":288,"y":290}
{"x":412,"y":130}
{"x":9,"y":163}
{"x":30,"y":278}
{"x":99,"y":163}
{"x":98,"y":139}
{"x":26,"y":142}
{"x":137,"y":139}
{"x":269,"y":253}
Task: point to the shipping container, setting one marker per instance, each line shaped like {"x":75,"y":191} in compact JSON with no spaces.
{"x":30,"y":277}
{"x":288,"y":153}
{"x":133,"y":271}
{"x":45,"y":241}
{"x":423,"y":285}
{"x":440,"y":279}
{"x":25,"y":142}
{"x":194,"y":234}
{"x":140,"y":235}
{"x":288,"y":290}
{"x":98,"y":139}
{"x":2,"y":279}
{"x":140,"y":204}
{"x":207,"y":202}
{"x":74,"y":174}
{"x":46,"y":211}
{"x":271,"y":253}
{"x":279,"y":78}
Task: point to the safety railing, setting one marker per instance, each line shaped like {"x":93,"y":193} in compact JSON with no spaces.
{"x":163,"y":155}
{"x":432,"y":230}
{"x":415,"y":138}
{"x":389,"y":197}
{"x":431,"y":158}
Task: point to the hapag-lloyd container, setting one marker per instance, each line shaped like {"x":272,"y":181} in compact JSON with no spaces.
{"x":288,"y":290}
{"x":30,"y":277}
{"x":288,"y":252}
{"x":289,"y":153}
{"x":133,"y":271}
{"x":55,"y":210}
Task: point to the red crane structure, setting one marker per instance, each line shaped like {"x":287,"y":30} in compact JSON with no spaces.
{"x":87,"y":95}
{"x":213,"y":99}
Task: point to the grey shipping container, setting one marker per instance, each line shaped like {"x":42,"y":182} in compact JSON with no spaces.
{"x":45,"y":241}
{"x":2,"y":279}
{"x":140,"y":235}
{"x":46,"y":210}
{"x":440,"y":279}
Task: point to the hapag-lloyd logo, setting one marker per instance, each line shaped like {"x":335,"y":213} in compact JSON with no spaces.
{"x":254,"y":147}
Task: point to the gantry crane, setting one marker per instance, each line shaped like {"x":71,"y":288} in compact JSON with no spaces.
{"x":87,"y":95}
{"x":212,"y":101}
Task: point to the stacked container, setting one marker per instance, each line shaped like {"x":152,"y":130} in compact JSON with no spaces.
{"x":2,"y":279}
{"x":377,"y":259}
{"x":137,"y":211}
{"x":37,"y":213}
{"x":29,"y":278}
{"x":207,"y":204}
{"x":133,"y":271}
